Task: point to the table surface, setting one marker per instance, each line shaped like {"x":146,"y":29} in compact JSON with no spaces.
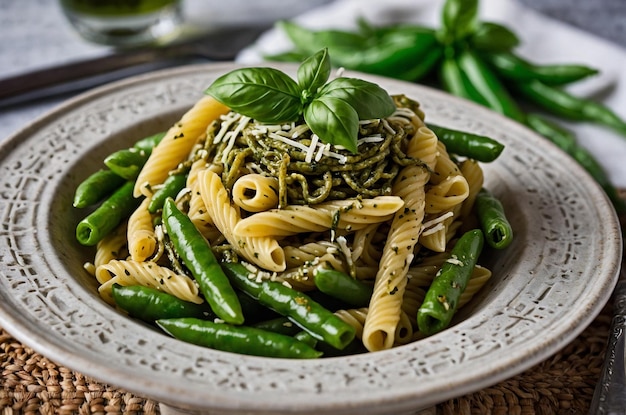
{"x":34,"y":34}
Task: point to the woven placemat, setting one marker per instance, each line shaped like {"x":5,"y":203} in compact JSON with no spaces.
{"x":562,"y":384}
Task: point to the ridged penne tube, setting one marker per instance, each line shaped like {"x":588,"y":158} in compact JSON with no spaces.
{"x":263,"y":251}
{"x":147,"y":274}
{"x":255,"y":192}
{"x":449,"y":193}
{"x":473,"y":173}
{"x":385,"y":305}
{"x":424,"y":146}
{"x":312,"y":253}
{"x":480,"y":276}
{"x":177,"y":143}
{"x":110,"y":247}
{"x":142,"y":241}
{"x":404,"y":330}
{"x":344,"y":215}
{"x":354,"y":317}
{"x":435,"y":233}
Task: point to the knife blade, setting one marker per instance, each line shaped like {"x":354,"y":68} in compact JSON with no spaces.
{"x":220,"y":45}
{"x":609,"y":397}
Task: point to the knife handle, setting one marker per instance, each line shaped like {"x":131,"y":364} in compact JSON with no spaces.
{"x":73,"y":72}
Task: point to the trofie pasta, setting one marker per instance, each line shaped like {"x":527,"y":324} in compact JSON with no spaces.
{"x":277,"y":202}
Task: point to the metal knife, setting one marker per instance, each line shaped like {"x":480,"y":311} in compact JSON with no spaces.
{"x":609,"y":397}
{"x":220,"y":45}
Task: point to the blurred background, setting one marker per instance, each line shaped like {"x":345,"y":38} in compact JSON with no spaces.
{"x":35,"y":34}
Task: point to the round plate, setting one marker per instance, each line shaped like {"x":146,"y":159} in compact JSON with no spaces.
{"x":546,"y":287}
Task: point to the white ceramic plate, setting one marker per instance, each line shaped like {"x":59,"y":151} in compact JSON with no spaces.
{"x":547,"y":286}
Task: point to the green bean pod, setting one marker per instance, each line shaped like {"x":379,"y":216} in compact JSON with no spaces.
{"x":462,"y":143}
{"x":149,"y":142}
{"x":515,"y":68}
{"x":442,"y":297}
{"x":149,"y":304}
{"x":492,"y":217}
{"x":280,"y":325}
{"x":171,"y":187}
{"x":558,"y":135}
{"x":491,"y":92}
{"x":107,"y":216}
{"x":342,"y":286}
{"x":237,"y":339}
{"x":300,"y":308}
{"x":197,"y":256}
{"x":127,"y":163}
{"x":452,"y":78}
{"x":562,"y":103}
{"x":96,"y":187}
{"x":566,"y":141}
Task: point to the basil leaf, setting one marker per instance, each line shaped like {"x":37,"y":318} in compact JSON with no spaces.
{"x":368,"y":99}
{"x":334,"y":121}
{"x":459,"y":19}
{"x":265,"y":94}
{"x":494,"y":37}
{"x":313,"y":74}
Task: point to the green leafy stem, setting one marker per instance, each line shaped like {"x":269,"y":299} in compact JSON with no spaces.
{"x":332,"y":110}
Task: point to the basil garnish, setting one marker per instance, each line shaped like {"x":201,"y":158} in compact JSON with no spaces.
{"x":332,"y":110}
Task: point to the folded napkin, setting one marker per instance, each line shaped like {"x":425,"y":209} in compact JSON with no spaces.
{"x":542,"y":40}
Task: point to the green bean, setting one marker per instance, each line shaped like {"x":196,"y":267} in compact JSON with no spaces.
{"x":566,"y":141}
{"x":237,"y":339}
{"x":589,"y":163}
{"x":127,"y":163}
{"x":171,"y":187}
{"x":491,"y":92}
{"x":564,"y":104}
{"x":197,"y":256}
{"x":107,"y":216}
{"x":462,"y":143}
{"x":149,"y":142}
{"x":492,"y":217}
{"x":442,"y":297}
{"x":453,"y":81}
{"x":563,"y":138}
{"x":300,"y":308}
{"x":343,"y":287}
{"x":149,"y":304}
{"x":280,"y":325}
{"x":515,"y":68}
{"x":96,"y":187}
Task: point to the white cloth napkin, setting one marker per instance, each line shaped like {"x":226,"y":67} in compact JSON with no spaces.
{"x":543,"y":40}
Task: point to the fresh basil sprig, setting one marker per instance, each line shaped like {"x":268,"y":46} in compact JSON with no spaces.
{"x":332,"y":110}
